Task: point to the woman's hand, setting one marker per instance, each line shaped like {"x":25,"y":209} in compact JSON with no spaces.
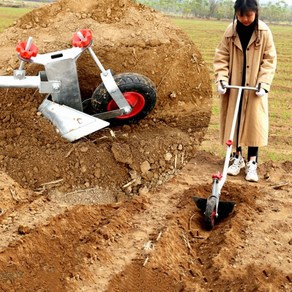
{"x":221,"y":87}
{"x":261,"y":91}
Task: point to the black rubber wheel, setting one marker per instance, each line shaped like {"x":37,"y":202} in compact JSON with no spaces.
{"x":139,"y":91}
{"x":210,"y":213}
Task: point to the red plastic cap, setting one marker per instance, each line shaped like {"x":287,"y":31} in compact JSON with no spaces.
{"x":26,"y":54}
{"x":87,"y":35}
{"x":217,"y":175}
{"x":229,"y":143}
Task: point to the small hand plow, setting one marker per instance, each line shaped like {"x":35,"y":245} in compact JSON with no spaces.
{"x":123,"y":98}
{"x":213,"y":209}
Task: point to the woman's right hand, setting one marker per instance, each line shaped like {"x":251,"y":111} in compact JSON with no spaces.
{"x":221,"y":87}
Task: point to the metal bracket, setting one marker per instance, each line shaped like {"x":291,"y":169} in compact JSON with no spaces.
{"x":114,"y":91}
{"x":50,"y":86}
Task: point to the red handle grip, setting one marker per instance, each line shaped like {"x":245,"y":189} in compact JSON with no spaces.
{"x":24,"y":53}
{"x":81,"y":43}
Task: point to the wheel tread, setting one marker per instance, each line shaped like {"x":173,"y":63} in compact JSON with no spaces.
{"x":126,"y":82}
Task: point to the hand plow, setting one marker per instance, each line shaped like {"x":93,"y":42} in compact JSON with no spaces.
{"x":213,"y":209}
{"x":123,"y":98}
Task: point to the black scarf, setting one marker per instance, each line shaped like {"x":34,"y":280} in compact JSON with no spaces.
{"x":244,"y":33}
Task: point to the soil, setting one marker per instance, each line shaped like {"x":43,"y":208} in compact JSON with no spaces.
{"x":114,"y":211}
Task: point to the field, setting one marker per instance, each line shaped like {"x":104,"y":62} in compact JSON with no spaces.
{"x":115,"y":211}
{"x":8,"y":15}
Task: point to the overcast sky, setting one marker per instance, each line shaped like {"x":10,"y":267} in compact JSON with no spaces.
{"x":289,"y":2}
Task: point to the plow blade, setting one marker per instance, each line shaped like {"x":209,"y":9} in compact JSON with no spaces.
{"x":224,"y":208}
{"x":70,"y":123}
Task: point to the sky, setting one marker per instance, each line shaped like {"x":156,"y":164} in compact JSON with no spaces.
{"x":289,"y":2}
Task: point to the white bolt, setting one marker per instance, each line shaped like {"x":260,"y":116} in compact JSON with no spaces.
{"x":56,"y":86}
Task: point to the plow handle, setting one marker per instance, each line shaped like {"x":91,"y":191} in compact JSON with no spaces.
{"x":230,"y":141}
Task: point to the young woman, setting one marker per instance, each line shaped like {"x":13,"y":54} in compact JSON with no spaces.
{"x":246,"y":56}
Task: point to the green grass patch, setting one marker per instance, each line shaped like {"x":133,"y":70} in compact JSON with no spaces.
{"x":9,"y":15}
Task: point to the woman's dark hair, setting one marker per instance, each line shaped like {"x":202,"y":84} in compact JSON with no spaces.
{"x":244,"y":6}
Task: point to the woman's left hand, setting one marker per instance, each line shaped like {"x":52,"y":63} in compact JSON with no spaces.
{"x":261,"y":92}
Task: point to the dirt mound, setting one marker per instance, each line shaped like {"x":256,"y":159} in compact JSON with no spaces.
{"x":128,"y":37}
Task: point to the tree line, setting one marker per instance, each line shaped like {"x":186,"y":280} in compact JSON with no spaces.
{"x":278,"y":11}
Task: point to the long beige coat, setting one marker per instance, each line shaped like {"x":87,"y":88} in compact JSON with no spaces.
{"x":261,"y":62}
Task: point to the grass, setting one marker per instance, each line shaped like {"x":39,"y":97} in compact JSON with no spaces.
{"x":206,"y":34}
{"x":8,"y":15}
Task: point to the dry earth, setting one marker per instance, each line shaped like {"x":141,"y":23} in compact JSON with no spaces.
{"x":114,"y":211}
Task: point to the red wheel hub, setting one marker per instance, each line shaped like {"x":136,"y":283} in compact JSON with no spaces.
{"x":135,"y":100}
